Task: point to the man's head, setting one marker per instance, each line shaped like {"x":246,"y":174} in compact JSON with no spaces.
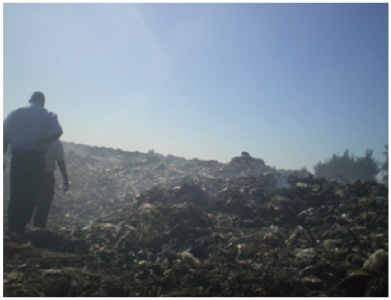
{"x":38,"y":97}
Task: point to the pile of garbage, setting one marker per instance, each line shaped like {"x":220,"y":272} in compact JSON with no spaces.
{"x":100,"y":177}
{"x":243,"y":166}
{"x":209,"y":237}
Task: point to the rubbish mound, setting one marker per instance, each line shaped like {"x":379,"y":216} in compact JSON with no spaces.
{"x":213,"y":238}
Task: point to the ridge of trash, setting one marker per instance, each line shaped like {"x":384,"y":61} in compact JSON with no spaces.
{"x":138,"y":224}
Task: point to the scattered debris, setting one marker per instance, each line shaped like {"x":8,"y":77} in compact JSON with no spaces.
{"x":202,"y":235}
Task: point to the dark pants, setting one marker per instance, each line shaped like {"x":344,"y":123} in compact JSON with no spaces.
{"x":45,"y":198}
{"x":27,"y":169}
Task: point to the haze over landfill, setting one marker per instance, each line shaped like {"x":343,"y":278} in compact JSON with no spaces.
{"x":289,"y":83}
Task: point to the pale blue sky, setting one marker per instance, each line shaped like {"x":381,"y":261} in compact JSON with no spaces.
{"x":289,"y":83}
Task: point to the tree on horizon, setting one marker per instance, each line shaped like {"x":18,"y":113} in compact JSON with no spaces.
{"x":349,"y":168}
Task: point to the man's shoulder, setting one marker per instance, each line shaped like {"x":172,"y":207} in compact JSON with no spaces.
{"x":30,"y":109}
{"x":17,"y":112}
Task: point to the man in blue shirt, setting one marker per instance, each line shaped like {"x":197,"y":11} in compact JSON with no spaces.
{"x":28,"y":130}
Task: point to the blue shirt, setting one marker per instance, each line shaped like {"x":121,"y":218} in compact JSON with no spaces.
{"x":25,"y":126}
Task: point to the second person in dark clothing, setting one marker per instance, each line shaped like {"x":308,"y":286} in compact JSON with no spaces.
{"x":55,"y":152}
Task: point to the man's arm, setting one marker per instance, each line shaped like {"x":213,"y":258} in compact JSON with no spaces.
{"x":7,"y":132}
{"x":63,"y":170}
{"x":43,"y":143}
{"x":6,"y":142}
{"x":53,"y":138}
{"x":53,"y":127}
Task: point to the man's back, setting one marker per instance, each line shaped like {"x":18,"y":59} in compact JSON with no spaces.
{"x":27,"y":125}
{"x":29,"y":130}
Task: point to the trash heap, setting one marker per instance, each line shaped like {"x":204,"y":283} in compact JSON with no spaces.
{"x":240,"y":237}
{"x":100,"y":177}
{"x":243,"y":166}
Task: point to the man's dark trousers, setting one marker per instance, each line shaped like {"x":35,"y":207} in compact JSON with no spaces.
{"x":27,"y":168}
